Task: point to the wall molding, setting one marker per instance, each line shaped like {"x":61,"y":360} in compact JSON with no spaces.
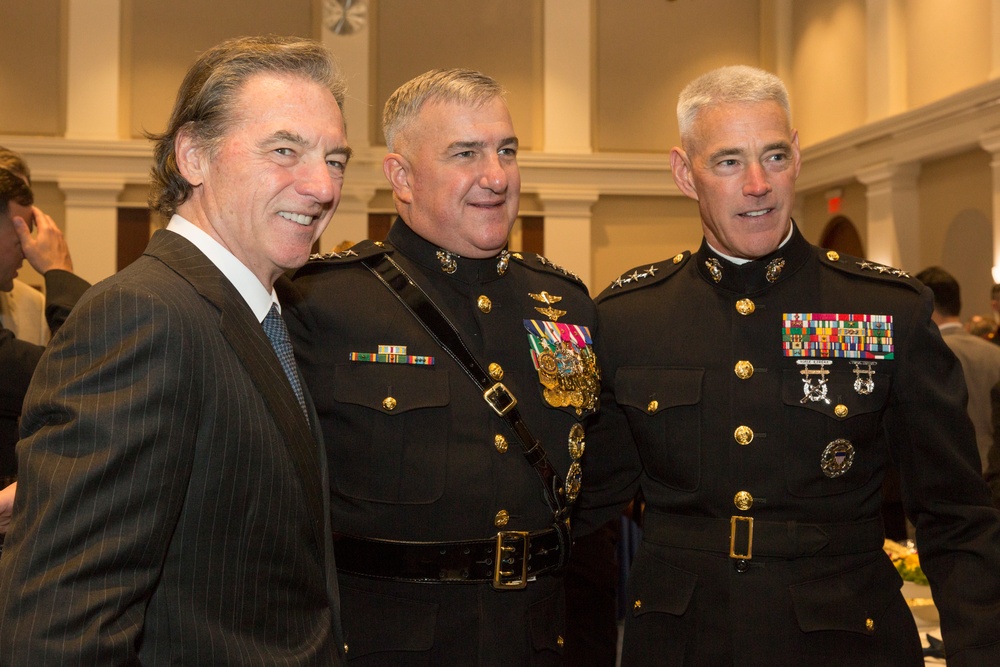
{"x":957,"y":124}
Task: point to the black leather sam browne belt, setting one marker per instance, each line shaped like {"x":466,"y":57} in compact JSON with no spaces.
{"x":510,"y":558}
{"x":507,"y":561}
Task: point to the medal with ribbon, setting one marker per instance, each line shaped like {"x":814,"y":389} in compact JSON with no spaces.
{"x":567,"y":367}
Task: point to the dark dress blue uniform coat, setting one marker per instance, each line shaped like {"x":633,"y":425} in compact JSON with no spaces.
{"x":707,"y":402}
{"x":428,"y":467}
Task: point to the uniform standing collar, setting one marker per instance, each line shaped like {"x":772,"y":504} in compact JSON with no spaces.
{"x":757,"y":274}
{"x":436,"y":259}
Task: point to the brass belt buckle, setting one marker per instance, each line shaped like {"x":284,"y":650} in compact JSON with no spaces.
{"x":732,"y":537}
{"x":501,"y":400}
{"x":508,"y":579}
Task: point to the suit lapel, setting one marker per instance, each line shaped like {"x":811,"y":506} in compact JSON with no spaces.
{"x":247,"y":338}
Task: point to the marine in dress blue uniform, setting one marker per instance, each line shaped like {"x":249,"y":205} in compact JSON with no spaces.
{"x":450,"y":543}
{"x":418,"y":456}
{"x":763,"y":397}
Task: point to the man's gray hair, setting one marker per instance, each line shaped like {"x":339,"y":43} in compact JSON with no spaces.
{"x":732,"y":84}
{"x":207,"y":98}
{"x":463,"y":86}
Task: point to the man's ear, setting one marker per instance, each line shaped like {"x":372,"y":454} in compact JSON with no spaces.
{"x":680,"y":169}
{"x":397,"y":171}
{"x":191,"y":159}
{"x":796,"y":154}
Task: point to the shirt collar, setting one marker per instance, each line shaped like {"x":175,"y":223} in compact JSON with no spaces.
{"x":753,"y":275}
{"x":439,"y":260}
{"x":742,"y":260}
{"x":246,"y":283}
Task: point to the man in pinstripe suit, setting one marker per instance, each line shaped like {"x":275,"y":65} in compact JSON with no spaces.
{"x":171,"y":507}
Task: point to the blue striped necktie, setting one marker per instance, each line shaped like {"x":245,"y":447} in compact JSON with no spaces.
{"x":276,"y":330}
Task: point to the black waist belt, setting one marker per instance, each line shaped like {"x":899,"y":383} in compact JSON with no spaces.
{"x":746,"y":537}
{"x":523,"y":556}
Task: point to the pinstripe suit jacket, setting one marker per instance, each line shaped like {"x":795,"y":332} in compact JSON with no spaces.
{"x":171,"y":505}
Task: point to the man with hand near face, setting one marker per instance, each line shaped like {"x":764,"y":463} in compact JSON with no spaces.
{"x":765,"y":385}
{"x":172,"y":507}
{"x":436,"y":359}
{"x":27,"y":317}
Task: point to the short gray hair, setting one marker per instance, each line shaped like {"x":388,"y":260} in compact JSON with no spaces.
{"x":732,"y":84}
{"x":464,"y":86}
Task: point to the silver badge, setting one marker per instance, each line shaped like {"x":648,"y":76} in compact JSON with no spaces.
{"x":864,"y":385}
{"x":814,"y":380}
{"x":837,"y":458}
{"x":449,"y":261}
{"x":715,"y":269}
{"x":774,"y":268}
{"x":503,"y":261}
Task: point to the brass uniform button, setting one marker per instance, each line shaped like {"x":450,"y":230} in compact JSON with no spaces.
{"x":743,"y":435}
{"x":840,"y":411}
{"x":870,"y":625}
{"x":345,"y":647}
{"x":653,"y":405}
{"x":501,"y":518}
{"x":560,"y":641}
{"x":495,"y":371}
{"x":500,"y":443}
{"x":484,"y":304}
{"x":389,"y":403}
{"x":743,"y":501}
{"x":744,"y":369}
{"x":833,"y":255}
{"x":745,"y":306}
{"x":678,"y":258}
{"x":637,"y":605}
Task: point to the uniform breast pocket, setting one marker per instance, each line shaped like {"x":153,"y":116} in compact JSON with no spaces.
{"x":663,"y":406}
{"x":832,"y":441}
{"x":391,"y":432}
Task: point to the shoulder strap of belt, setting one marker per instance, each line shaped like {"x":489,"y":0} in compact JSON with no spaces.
{"x":495,"y":394}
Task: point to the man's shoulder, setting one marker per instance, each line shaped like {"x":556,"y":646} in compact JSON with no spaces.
{"x":644,"y":276}
{"x":868,"y":272}
{"x":963,"y":343}
{"x":330,"y":262}
{"x":541,"y":266}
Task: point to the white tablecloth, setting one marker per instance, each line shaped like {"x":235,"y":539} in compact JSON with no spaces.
{"x":925,"y":614}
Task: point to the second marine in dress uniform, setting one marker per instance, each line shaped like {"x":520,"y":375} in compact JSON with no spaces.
{"x":766,"y":385}
{"x":429,"y":482}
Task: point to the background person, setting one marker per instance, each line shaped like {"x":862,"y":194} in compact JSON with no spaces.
{"x":26,"y":315}
{"x":980,"y":359}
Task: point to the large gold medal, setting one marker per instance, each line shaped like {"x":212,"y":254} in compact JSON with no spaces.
{"x":567,"y":367}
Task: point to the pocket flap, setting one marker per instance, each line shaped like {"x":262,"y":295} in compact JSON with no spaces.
{"x":847,"y":600}
{"x":404,"y":625}
{"x":636,"y":387}
{"x":655,"y":586}
{"x":371,"y":385}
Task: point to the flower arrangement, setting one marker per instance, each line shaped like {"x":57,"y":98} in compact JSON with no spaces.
{"x":907,"y":562}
